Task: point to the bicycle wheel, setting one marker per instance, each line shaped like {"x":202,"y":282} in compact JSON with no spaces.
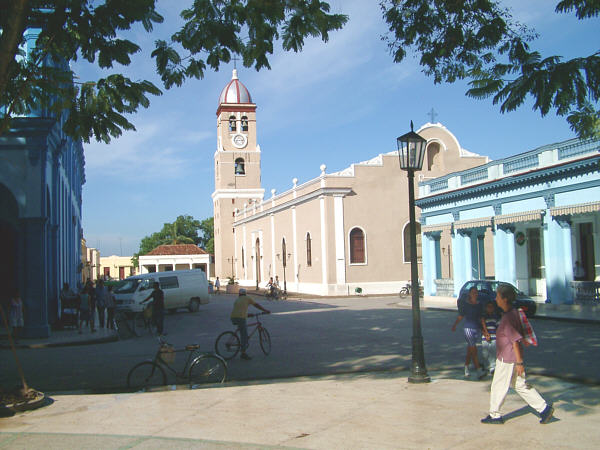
{"x":227,"y":345}
{"x":146,"y":375}
{"x":265,"y":340}
{"x":208,"y":369}
{"x":124,"y":329}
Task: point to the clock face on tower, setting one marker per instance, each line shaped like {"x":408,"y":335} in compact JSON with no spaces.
{"x":239,"y":140}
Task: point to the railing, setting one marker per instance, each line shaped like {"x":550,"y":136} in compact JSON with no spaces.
{"x":521,"y":163}
{"x":578,"y":148}
{"x":475,"y":175}
{"x":586,"y":292}
{"x":439,"y":185}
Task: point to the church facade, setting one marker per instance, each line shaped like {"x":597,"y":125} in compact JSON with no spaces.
{"x":329,"y":235}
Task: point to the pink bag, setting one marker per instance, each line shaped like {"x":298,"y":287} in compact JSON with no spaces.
{"x":528,"y":333}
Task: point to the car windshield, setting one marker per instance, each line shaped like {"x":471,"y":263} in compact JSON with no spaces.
{"x":148,"y":283}
{"x":127,"y":287}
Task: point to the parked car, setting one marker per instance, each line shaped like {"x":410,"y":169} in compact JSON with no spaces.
{"x":182,"y":288}
{"x":487,"y":293}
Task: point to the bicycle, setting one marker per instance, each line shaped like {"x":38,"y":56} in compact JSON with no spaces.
{"x":200,"y":369}
{"x":276,"y":294}
{"x":228,"y":343}
{"x":124,"y":323}
{"x":144,"y":322}
{"x":406,"y":290}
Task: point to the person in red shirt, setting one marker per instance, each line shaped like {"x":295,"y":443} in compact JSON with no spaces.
{"x":510,"y":368}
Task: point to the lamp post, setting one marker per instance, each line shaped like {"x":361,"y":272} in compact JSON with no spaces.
{"x":411,"y":150}
{"x":284,"y":255}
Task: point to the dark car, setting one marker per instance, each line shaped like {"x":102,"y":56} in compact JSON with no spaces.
{"x":487,"y":293}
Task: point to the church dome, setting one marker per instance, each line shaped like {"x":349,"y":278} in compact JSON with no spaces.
{"x":235,"y":91}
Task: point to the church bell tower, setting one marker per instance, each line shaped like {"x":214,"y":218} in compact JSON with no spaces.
{"x":237,"y":168}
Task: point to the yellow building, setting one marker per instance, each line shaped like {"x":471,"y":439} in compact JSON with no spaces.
{"x":116,"y":267}
{"x":329,"y":235}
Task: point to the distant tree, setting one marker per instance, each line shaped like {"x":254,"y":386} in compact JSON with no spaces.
{"x":92,"y":30}
{"x":184,"y":230}
{"x":478,"y":40}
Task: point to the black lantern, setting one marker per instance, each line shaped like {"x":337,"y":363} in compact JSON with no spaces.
{"x":411,"y":151}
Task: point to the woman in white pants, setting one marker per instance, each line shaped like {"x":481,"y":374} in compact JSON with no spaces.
{"x":510,"y":369}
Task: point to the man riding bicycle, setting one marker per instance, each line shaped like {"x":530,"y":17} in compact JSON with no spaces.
{"x":239,"y":314}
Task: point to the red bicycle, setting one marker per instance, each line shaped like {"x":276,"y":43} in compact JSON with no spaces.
{"x":228,"y":343}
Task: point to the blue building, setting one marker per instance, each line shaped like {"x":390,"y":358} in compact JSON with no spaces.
{"x":41,"y":179}
{"x":528,"y":219}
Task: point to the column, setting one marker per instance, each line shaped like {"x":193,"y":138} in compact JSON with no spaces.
{"x":295,"y":239}
{"x":504,"y":254}
{"x":481,"y":255}
{"x":558,"y":259}
{"x":340,"y":258}
{"x":429,"y":263}
{"x":323,"y":244}
{"x":462,"y":262}
{"x":273,"y":265}
{"x":35,"y":285}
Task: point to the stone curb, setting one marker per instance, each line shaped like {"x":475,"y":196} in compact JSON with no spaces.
{"x":98,"y":340}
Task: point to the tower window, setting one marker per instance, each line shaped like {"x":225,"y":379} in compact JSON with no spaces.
{"x":244,"y":123}
{"x":232,"y":125}
{"x":240,"y":167}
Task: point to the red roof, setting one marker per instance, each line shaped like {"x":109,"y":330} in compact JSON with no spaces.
{"x":177,"y":249}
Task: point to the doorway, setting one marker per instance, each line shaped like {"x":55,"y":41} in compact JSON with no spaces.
{"x":9,"y":213}
{"x":586,"y":249}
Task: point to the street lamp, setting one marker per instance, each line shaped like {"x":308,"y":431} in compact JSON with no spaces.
{"x":411,"y":150}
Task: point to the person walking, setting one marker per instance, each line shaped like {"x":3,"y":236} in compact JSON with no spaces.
{"x":510,"y":366}
{"x":101,"y":294}
{"x":471,"y":311}
{"x":91,"y":291}
{"x":85,"y":308}
{"x":158,"y":307}
{"x":488,"y":337}
{"x":238,"y":317}
{"x":217,"y":285}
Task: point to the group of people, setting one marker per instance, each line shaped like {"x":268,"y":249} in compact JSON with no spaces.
{"x":273,"y":286}
{"x":501,"y":341}
{"x":91,"y":301}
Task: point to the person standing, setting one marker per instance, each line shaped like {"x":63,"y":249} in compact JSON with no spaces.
{"x":91,"y":291}
{"x":238,"y":317}
{"x":471,"y":311}
{"x":158,"y":307}
{"x":217,"y":285}
{"x":85,"y":308}
{"x":578,"y":272}
{"x":510,"y":366}
{"x":15,"y":318}
{"x":111,"y":304}
{"x":101,"y":294}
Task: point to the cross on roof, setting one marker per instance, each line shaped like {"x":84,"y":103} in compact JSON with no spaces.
{"x":235,"y":59}
{"x":432,"y":114}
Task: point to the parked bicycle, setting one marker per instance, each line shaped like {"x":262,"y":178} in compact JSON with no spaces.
{"x":228,"y":344}
{"x":124,"y":323}
{"x":406,"y":290}
{"x":198,"y":369}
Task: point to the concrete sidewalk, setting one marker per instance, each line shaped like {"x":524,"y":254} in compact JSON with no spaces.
{"x":377,"y":410}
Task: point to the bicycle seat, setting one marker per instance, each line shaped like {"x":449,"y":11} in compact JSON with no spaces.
{"x":192,"y":347}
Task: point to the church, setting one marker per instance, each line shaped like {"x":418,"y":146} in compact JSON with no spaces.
{"x":336,"y":234}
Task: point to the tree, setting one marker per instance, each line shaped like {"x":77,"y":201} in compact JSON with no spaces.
{"x":92,"y":30}
{"x":184,"y":230}
{"x":478,"y":40}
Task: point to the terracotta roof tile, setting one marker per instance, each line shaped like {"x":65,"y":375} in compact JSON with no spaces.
{"x":177,"y":249}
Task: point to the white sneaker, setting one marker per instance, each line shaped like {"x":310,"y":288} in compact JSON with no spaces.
{"x":467,"y":373}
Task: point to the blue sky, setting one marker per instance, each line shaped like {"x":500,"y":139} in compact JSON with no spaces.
{"x":336,"y":103}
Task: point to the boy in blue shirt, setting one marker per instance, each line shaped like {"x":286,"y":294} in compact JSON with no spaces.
{"x":488,"y":337}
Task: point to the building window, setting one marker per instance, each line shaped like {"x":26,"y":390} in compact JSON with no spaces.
{"x":243,"y":258}
{"x":406,"y":236}
{"x":283,"y":252}
{"x":244,"y":123}
{"x":168,"y":282}
{"x":357,"y":247}
{"x":232,"y":126}
{"x":308,"y":250}
{"x":239,"y":167}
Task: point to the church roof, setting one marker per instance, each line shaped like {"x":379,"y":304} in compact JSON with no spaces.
{"x":177,"y":249}
{"x":235,"y":91}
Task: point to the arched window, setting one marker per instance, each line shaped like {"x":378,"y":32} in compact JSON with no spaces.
{"x":243,"y":258}
{"x":357,"y":247}
{"x":283,"y":252}
{"x":406,"y":236}
{"x":308,"y":250}
{"x":232,"y":126}
{"x":240,"y":168}
{"x":244,"y":123}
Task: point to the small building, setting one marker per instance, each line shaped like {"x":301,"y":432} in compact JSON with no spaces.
{"x":165,"y":258}
{"x":116,"y":267}
{"x":90,"y":262}
{"x":528,"y":219}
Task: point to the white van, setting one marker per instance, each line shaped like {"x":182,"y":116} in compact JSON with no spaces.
{"x":182,"y":288}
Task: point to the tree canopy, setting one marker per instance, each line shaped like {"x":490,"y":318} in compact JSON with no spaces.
{"x":480,"y":41}
{"x":184,"y":230}
{"x":213,"y":31}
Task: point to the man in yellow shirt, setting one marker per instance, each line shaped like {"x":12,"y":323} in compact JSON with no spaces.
{"x":239,"y":314}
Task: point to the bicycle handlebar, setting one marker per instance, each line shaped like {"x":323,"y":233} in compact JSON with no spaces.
{"x":257,"y":314}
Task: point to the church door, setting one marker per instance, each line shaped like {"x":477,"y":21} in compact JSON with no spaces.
{"x":8,"y":244}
